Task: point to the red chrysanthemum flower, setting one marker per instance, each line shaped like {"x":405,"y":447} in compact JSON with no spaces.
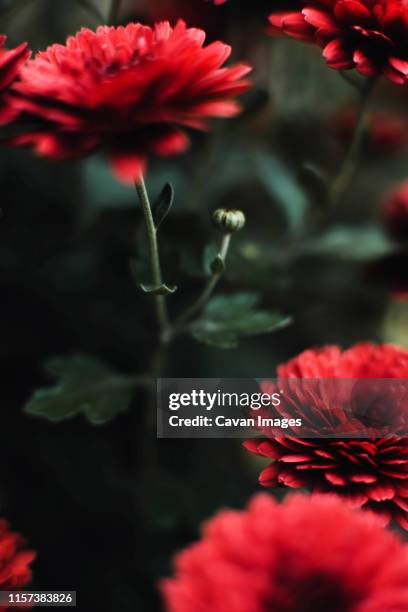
{"x":11,"y":61}
{"x":368,"y":35}
{"x":308,"y":554}
{"x":369,"y":473}
{"x":394,"y":211}
{"x":15,"y":560}
{"x":129,"y":89}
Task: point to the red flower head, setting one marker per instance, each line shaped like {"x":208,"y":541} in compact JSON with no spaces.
{"x":129,"y":89}
{"x":395,"y":211}
{"x":306,"y":554}
{"x":10,"y":65}
{"x":15,"y":572}
{"x":368,"y":35}
{"x":369,"y":473}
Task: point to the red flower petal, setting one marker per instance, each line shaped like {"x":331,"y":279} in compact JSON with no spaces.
{"x":337,"y":55}
{"x":352,"y":12}
{"x":335,"y":479}
{"x":321,"y":20}
{"x":365,"y":478}
{"x":381,"y":492}
{"x":292,"y":24}
{"x":10,"y":64}
{"x":364,"y":63}
{"x":268,"y":476}
{"x":292,"y":480}
{"x":399,"y":65}
{"x":295,"y":458}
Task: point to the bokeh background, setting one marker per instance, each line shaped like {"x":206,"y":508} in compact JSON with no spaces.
{"x":107,"y":507}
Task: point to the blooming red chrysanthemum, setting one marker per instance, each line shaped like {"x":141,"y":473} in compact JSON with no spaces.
{"x":394,"y":211}
{"x":129,"y":89}
{"x":308,"y":554}
{"x":369,"y":473}
{"x":368,"y":35}
{"x":15,"y":560}
{"x":11,"y":61}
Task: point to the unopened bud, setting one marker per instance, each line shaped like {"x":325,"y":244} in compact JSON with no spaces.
{"x":229,"y":221}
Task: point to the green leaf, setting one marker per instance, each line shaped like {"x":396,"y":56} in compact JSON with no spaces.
{"x":228,"y":318}
{"x":84,"y":386}
{"x":349,"y":243}
{"x":163,"y":204}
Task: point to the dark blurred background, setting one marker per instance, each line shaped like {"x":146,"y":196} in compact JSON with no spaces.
{"x":107,"y":507}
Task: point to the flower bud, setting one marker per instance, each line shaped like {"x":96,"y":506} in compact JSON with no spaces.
{"x":229,"y":221}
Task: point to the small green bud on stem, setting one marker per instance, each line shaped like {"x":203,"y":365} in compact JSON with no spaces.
{"x":229,"y":221}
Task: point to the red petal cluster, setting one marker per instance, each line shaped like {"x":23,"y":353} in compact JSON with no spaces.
{"x":15,"y":572}
{"x":11,"y":62}
{"x":395,"y":211}
{"x":368,"y":35}
{"x":306,"y":554}
{"x":369,"y":473}
{"x":129,"y":89}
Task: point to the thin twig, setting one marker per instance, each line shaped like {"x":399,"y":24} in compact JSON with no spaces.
{"x":202,"y":300}
{"x":351,"y":160}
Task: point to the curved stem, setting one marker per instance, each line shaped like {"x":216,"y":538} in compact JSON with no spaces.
{"x":154,"y":258}
{"x":188,"y":314}
{"x":349,"y":166}
{"x":114,"y":11}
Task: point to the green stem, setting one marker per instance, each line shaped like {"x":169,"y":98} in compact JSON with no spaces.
{"x":349,"y":166}
{"x":114,"y":11}
{"x":195,"y":308}
{"x":154,"y":258}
